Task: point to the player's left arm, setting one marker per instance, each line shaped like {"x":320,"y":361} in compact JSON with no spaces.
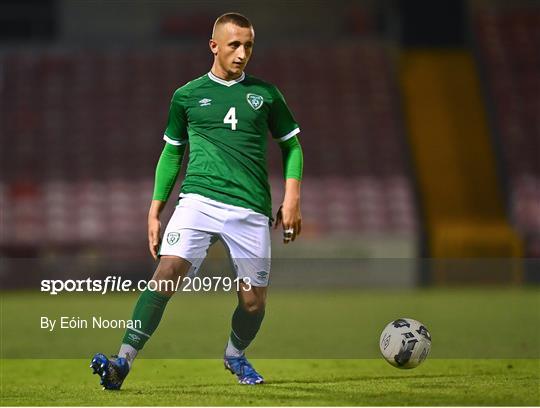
{"x":168,"y":166}
{"x":289,"y":214}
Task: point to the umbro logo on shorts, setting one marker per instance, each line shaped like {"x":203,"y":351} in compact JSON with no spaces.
{"x":262,"y":274}
{"x":254,"y":100}
{"x":173,"y":238}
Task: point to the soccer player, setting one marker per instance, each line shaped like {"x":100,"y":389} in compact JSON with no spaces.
{"x":225,"y":116}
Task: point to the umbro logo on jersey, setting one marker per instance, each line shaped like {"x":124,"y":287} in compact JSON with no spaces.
{"x":205,"y":102}
{"x":254,"y":100}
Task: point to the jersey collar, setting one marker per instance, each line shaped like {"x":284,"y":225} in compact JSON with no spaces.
{"x":226,"y":83}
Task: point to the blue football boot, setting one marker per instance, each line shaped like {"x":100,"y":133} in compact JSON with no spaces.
{"x":245,"y":372}
{"x":112,"y":372}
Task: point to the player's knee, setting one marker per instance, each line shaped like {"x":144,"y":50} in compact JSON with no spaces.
{"x":171,"y":268}
{"x":254,"y":306}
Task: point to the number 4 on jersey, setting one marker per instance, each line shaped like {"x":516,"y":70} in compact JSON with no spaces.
{"x":230,"y":117}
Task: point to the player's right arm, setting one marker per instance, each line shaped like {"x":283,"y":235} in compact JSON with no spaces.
{"x":168,"y":168}
{"x":167,"y":171}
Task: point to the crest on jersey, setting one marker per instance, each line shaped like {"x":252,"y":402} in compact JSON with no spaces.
{"x":172,"y":238}
{"x":254,"y":100}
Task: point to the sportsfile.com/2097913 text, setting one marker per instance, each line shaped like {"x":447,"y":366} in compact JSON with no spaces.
{"x":119,"y":284}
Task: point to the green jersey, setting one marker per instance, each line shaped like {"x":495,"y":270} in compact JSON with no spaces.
{"x":226,"y":124}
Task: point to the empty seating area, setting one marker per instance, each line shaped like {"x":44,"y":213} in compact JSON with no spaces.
{"x":509,"y":42}
{"x":81,"y":133}
{"x":104,"y":216}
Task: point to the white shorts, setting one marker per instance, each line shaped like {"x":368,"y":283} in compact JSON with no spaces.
{"x":198,"y":222}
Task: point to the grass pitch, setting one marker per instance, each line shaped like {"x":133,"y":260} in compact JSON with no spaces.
{"x":290,"y":382}
{"x":315,"y":348}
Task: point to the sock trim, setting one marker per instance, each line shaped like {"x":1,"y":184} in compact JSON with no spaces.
{"x":140,"y":332}
{"x":232,"y":351}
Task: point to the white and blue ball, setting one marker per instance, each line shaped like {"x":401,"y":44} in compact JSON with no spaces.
{"x":405,"y":343}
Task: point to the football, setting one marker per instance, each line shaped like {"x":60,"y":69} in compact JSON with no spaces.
{"x":405,"y":343}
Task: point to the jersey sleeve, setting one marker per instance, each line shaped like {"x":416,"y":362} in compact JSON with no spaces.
{"x":282,"y":124}
{"x":176,"y":131}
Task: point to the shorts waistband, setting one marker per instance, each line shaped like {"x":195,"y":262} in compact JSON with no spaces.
{"x":219,"y":204}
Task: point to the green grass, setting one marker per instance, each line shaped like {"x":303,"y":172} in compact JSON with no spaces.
{"x":315,"y":348}
{"x":474,"y":323}
{"x":290,"y":382}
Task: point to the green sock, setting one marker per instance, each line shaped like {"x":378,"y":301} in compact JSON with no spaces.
{"x":148,"y":311}
{"x":245,"y":327}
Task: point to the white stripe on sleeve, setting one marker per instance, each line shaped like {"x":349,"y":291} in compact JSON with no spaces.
{"x":172,"y":141}
{"x":292,"y":133}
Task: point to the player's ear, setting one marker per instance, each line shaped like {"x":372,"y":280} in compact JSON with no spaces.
{"x":213,"y":46}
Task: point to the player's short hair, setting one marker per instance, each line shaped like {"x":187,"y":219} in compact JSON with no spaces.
{"x":234,"y":18}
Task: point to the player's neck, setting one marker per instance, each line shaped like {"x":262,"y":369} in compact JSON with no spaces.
{"x":222,"y":74}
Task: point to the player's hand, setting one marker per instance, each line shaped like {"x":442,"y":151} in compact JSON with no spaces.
{"x":290,"y":218}
{"x":154,"y":230}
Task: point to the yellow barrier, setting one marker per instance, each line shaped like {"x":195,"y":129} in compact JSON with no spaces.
{"x":454,"y":160}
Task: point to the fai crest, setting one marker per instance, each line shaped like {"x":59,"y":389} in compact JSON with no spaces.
{"x":254,"y":100}
{"x":172,"y":238}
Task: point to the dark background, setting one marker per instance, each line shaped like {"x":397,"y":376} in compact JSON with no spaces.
{"x":84,"y":94}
